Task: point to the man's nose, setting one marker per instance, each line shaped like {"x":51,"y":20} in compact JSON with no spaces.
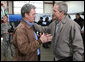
{"x":52,"y":11}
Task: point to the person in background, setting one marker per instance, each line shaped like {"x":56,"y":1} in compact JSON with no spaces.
{"x":79,"y":20}
{"x":40,"y":21}
{"x":25,"y":40}
{"x":46,"y":45}
{"x":67,"y":42}
{"x":47,"y":21}
{"x":5,"y":45}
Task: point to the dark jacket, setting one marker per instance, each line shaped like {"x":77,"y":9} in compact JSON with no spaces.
{"x":80,"y":21}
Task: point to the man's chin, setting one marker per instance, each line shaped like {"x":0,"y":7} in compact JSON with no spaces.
{"x":53,"y":19}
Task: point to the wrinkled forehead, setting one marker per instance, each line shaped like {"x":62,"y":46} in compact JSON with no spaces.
{"x":32,"y":11}
{"x":56,"y":6}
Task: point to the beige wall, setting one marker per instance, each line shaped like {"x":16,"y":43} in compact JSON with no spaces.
{"x":73,"y":6}
{"x":48,"y":8}
{"x":10,"y":7}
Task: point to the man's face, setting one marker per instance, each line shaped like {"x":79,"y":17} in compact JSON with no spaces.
{"x":31,"y":15}
{"x":56,"y":13}
{"x":77,"y":16}
{"x":5,"y":19}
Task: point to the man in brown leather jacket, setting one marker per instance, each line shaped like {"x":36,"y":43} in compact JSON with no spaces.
{"x":24,"y":38}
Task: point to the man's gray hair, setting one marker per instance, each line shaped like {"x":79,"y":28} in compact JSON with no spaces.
{"x":63,"y":7}
{"x":26,"y":9}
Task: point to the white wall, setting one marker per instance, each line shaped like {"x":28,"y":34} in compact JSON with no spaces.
{"x":48,"y":8}
{"x":18,"y":5}
{"x":75,"y":6}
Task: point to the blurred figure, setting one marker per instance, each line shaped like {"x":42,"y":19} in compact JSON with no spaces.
{"x":40,"y":21}
{"x":5,"y":45}
{"x":45,"y":45}
{"x":25,"y":39}
{"x":79,"y":20}
{"x":47,"y":21}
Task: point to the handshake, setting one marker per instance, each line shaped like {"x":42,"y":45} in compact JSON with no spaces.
{"x":45,"y":37}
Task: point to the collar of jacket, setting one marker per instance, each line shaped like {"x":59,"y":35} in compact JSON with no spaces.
{"x":64,"y":19}
{"x":26,"y":24}
{"x":29,"y":23}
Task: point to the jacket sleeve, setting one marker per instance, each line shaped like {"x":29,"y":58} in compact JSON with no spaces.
{"x":41,"y":29}
{"x":78,"y":48}
{"x":24,"y":45}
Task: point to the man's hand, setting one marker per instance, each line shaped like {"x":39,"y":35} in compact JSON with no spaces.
{"x":49,"y":37}
{"x":45,"y":38}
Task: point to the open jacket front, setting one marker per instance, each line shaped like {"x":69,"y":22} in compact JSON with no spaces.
{"x":25,"y":43}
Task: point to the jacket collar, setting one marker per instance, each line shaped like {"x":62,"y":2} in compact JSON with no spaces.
{"x":31,"y":24}
{"x":64,"y":19}
{"x":26,"y":24}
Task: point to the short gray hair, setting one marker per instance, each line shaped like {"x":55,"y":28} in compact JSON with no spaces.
{"x":63,"y":7}
{"x":26,"y":9}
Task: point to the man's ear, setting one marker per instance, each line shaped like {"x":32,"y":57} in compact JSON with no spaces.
{"x":62,"y":12}
{"x":26,"y":15}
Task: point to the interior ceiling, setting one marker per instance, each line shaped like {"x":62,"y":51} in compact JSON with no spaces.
{"x":52,"y":1}
{"x":58,"y":1}
{"x":48,"y":1}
